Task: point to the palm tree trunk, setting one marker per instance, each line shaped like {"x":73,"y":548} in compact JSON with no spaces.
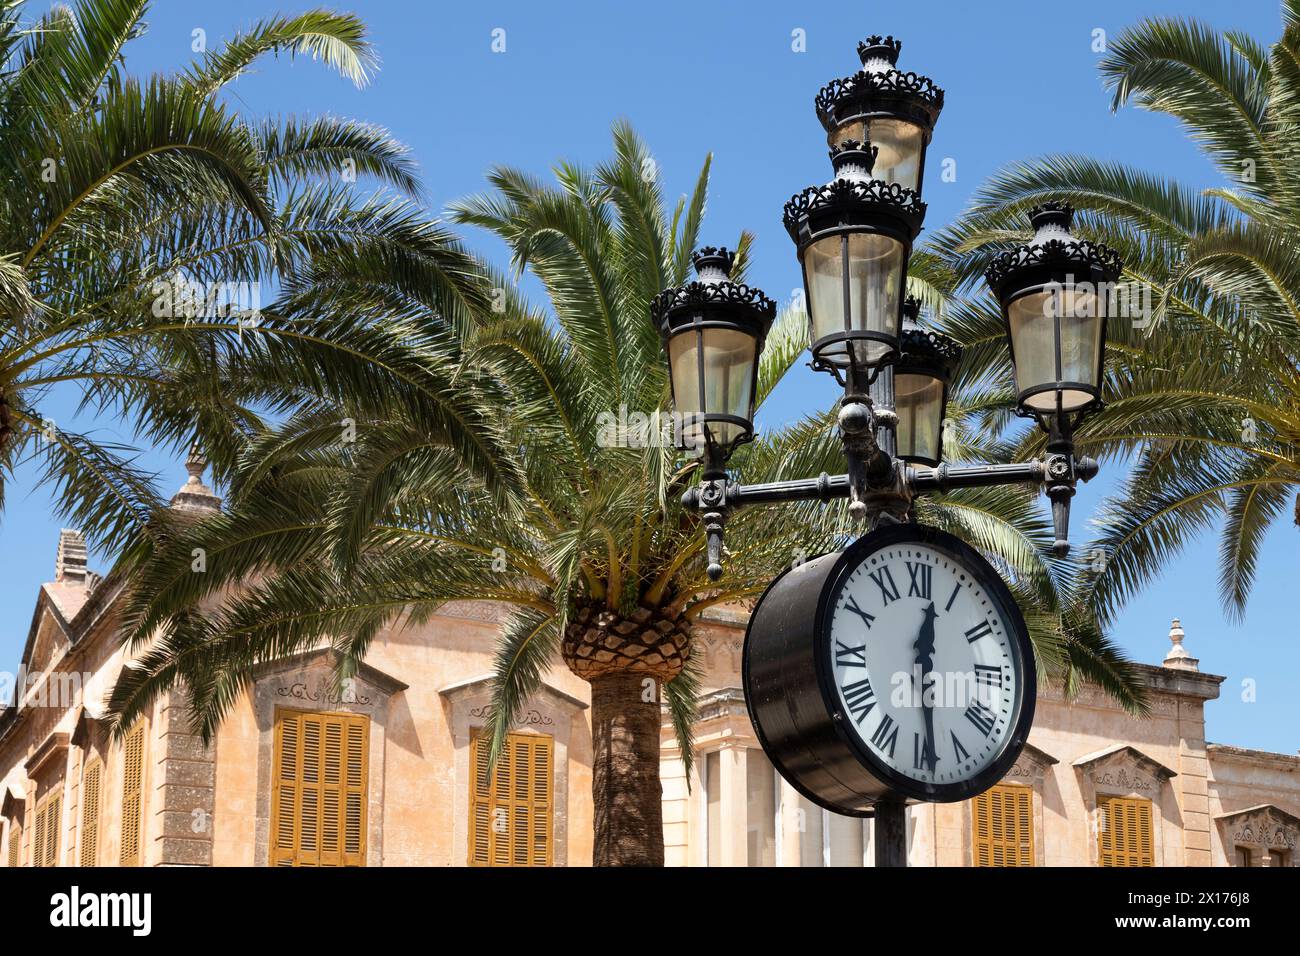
{"x":625,"y":788}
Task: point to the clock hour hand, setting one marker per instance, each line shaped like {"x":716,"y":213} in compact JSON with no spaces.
{"x":924,"y":648}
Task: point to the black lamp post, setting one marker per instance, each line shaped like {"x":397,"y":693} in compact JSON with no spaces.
{"x":922,"y":375}
{"x":854,"y":238}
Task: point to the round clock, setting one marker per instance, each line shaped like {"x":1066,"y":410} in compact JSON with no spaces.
{"x":899,"y":667}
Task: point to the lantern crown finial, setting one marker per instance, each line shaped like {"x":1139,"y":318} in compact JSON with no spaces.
{"x":1053,"y":212}
{"x":850,"y":156}
{"x":876,"y":47}
{"x":911,"y":308}
{"x":713,"y":263}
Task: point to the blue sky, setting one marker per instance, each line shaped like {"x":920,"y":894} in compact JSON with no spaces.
{"x":722,"y":77}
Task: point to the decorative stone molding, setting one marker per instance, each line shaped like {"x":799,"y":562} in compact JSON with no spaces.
{"x":1124,"y":770}
{"x":1031,"y":766}
{"x":549,"y":712}
{"x":718,"y":649}
{"x":727,"y":702}
{"x":306,"y":682}
{"x":1265,"y":827}
{"x":483,"y":611}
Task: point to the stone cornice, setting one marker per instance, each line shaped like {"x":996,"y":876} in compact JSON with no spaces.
{"x":51,"y":747}
{"x":726,"y":702}
{"x":1258,"y":758}
{"x":371,"y":675}
{"x":482,"y":683}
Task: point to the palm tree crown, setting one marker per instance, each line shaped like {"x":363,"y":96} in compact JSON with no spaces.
{"x":1202,"y":379}
{"x":143,"y":219}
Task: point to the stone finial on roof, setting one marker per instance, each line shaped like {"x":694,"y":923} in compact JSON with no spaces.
{"x":70,"y":560}
{"x":1178,"y":658}
{"x":194,"y":495}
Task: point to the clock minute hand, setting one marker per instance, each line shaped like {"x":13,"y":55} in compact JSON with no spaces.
{"x":924,"y":648}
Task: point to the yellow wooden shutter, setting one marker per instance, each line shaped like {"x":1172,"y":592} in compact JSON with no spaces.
{"x":53,"y":824}
{"x":90,"y":813}
{"x":46,"y":850}
{"x":38,"y":846}
{"x":510,"y":814}
{"x":1124,"y":832}
{"x":320,"y":789}
{"x":1003,"y":826}
{"x":15,"y":843}
{"x":132,"y":784}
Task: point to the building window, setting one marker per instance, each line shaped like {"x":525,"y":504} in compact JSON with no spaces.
{"x":713,"y":807}
{"x":132,"y":791}
{"x":1244,"y":856}
{"x":48,"y":825}
{"x":1124,"y":832}
{"x":89,"y":836}
{"x":1002,"y":821}
{"x":318,"y":799}
{"x":510,"y":811}
{"x":760,"y":810}
{"x":844,"y":840}
{"x":1279,"y":857}
{"x":15,"y":843}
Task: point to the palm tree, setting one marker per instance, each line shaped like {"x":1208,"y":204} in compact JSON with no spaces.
{"x":1203,"y":387}
{"x":141,"y":220}
{"x":580,"y":533}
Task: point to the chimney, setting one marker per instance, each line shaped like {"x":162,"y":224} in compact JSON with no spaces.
{"x":70,"y":562}
{"x":1178,"y":658}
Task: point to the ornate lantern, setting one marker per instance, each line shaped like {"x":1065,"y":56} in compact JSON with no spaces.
{"x":713,"y":331}
{"x":854,"y":237}
{"x":1054,"y":294}
{"x":921,"y":378}
{"x":891,"y":110}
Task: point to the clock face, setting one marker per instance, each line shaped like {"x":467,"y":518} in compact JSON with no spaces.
{"x":928,"y":662}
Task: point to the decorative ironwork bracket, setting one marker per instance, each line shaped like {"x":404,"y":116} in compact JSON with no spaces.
{"x":889,"y":495}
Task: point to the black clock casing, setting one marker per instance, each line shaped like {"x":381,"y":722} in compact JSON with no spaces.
{"x":792,"y":694}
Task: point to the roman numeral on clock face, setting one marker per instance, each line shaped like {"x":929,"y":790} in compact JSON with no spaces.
{"x":885,"y":581}
{"x":990,"y":675}
{"x":860,"y":698}
{"x":920,"y":574}
{"x":952,"y":598}
{"x":958,"y":750}
{"x":982,"y":629}
{"x":922,"y":759}
{"x":852,"y":605}
{"x":883,"y":738}
{"x":847,"y":656}
{"x":981,"y":717}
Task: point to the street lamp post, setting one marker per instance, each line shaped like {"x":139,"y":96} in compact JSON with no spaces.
{"x":854,"y":236}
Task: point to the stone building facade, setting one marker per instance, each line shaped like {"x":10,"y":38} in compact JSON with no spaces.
{"x":388,"y":771}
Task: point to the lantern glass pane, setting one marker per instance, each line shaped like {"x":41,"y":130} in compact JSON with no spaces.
{"x":875,"y":272}
{"x":1032,"y":319}
{"x":901,"y":145}
{"x":728,"y":359}
{"x":918,"y":401}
